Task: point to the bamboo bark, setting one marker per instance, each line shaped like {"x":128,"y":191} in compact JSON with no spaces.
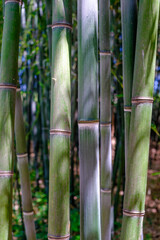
{"x":22,"y":158}
{"x":142,"y":94}
{"x":105,"y":117}
{"x":9,"y":73}
{"x":60,"y":122}
{"x":88,"y":116}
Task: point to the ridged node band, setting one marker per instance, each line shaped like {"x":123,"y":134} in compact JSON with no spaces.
{"x":52,"y":237}
{"x":108,"y":124}
{"x":14,"y":1}
{"x":133,"y":213}
{"x":23,"y":155}
{"x":127,"y":109}
{"x":105,"y":53}
{"x":6,"y":174}
{"x":8,"y":86}
{"x":140,"y":100}
{"x":60,"y":132}
{"x":88,"y":123}
{"x":28,"y":213}
{"x":105,"y":190}
{"x":61,"y":25}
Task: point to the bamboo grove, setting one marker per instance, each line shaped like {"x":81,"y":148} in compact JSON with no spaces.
{"x":73,"y":119}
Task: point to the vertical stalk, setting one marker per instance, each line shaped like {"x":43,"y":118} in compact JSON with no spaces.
{"x":49,"y":29}
{"x":22,"y":158}
{"x":8,"y":80}
{"x":129,"y":29}
{"x":60,"y":122}
{"x":142,"y":98}
{"x":88,"y":116}
{"x":105,"y":117}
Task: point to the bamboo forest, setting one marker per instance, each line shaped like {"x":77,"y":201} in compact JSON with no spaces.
{"x":79,"y":120}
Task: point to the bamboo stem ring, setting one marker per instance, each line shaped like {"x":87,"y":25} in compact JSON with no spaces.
{"x":105,"y":53}
{"x":140,"y":100}
{"x":107,"y":124}
{"x":8,"y":86}
{"x":60,"y":132}
{"x":61,"y":25}
{"x":23,"y":155}
{"x":88,"y":123}
{"x":133,"y":213}
{"x":52,"y":237}
{"x":6,"y":173}
{"x":127,"y":109}
{"x":14,"y":1}
{"x":106,"y":190}
{"x":28,"y":213}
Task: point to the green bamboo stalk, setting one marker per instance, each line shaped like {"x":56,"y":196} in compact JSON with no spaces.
{"x":105,"y":117}
{"x":129,"y":29}
{"x":60,"y":122}
{"x":49,"y":29}
{"x":9,"y":73}
{"x":142,"y":98}
{"x":22,"y":157}
{"x":88,"y":115}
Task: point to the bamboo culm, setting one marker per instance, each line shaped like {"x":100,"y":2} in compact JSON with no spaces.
{"x":8,"y":81}
{"x":139,"y":136}
{"x":105,"y":117}
{"x":22,"y":158}
{"x":88,"y":116}
{"x":60,"y":121}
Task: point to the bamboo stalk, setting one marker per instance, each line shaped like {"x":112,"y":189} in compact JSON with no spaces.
{"x":60,"y":122}
{"x":129,"y":29}
{"x":142,"y":94}
{"x":22,"y":158}
{"x":105,"y":117}
{"x":9,"y":73}
{"x":88,"y":115}
{"x":49,"y":29}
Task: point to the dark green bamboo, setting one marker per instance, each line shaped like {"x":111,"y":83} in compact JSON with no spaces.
{"x":8,"y":80}
{"x":22,"y":158}
{"x":60,"y":122}
{"x":142,"y":94}
{"x":88,"y":115}
{"x":129,"y":29}
{"x":105,"y":117}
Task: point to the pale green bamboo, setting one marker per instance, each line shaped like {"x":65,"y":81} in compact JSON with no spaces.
{"x":105,"y":117}
{"x":142,"y":94}
{"x":60,"y":122}
{"x":129,"y":29}
{"x":9,"y":73}
{"x":22,"y":158}
{"x":88,"y":115}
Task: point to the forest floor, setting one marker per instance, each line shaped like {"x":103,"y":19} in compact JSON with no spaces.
{"x":151,"y":220}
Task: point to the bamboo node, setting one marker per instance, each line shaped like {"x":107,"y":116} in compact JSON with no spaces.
{"x":127,"y":109}
{"x":53,"y":237}
{"x":15,"y":1}
{"x":60,"y":132}
{"x":8,"y":86}
{"x":23,"y":155}
{"x":105,"y":53}
{"x":106,"y":190}
{"x":18,"y":90}
{"x":28,"y":213}
{"x":133,"y":213}
{"x":6,"y":174}
{"x":140,"y":100}
{"x":107,"y":124}
{"x":88,"y":123}
{"x":62,"y":25}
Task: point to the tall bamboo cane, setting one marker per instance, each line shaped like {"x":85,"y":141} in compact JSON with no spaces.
{"x":9,"y":73}
{"x":105,"y":117}
{"x":60,"y":122}
{"x":49,"y":29}
{"x":142,"y":98}
{"x":22,"y":158}
{"x":129,"y":29}
{"x":88,"y":119}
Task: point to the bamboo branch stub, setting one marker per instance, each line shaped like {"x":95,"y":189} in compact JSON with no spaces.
{"x":52,"y":237}
{"x":6,"y":174}
{"x":60,"y":132}
{"x":133,"y":213}
{"x":140,"y":100}
{"x":8,"y":86}
{"x":62,"y":25}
